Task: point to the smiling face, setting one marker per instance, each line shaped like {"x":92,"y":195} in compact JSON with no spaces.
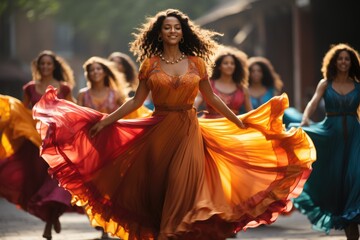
{"x":46,"y":66}
{"x":227,"y":66}
{"x":343,"y":62}
{"x":171,"y":31}
{"x":96,"y":73}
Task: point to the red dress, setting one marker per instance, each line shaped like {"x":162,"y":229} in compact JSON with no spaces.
{"x":234,"y":101}
{"x":172,"y":174}
{"x":30,"y":90}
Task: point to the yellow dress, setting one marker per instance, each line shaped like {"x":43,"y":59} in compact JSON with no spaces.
{"x":16,"y":124}
{"x":172,"y":175}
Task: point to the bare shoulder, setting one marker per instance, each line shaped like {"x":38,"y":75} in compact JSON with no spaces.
{"x":83,"y":90}
{"x":323,"y":82}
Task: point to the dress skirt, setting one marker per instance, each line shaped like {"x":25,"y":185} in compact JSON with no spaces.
{"x":24,"y":178}
{"x":172,"y":175}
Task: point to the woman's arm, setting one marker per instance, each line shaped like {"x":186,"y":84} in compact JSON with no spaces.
{"x":128,"y":107}
{"x":66,"y":89}
{"x":198,"y":101}
{"x":80,"y":98}
{"x":314,"y":102}
{"x":247,"y":102}
{"x":70,"y":98}
{"x":214,"y":101}
{"x":26,"y":100}
{"x":120,"y":98}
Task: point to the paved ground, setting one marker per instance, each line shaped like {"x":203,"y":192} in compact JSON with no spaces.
{"x":15,"y":224}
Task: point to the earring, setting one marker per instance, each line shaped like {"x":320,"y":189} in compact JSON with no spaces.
{"x":182,"y":40}
{"x":159,"y":38}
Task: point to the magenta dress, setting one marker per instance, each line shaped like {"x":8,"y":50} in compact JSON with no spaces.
{"x":19,"y":153}
{"x":234,"y":101}
{"x":30,"y":90}
{"x":49,"y":195}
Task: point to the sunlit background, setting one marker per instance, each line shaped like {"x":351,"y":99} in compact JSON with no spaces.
{"x":293,"y":34}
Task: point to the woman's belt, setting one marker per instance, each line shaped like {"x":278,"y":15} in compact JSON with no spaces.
{"x":173,"y":108}
{"x":344,"y":123}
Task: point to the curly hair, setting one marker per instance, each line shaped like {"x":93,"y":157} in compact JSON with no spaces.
{"x":241,"y":73}
{"x":130,"y":69}
{"x":197,"y":42}
{"x":113,"y":79}
{"x":329,"y":69}
{"x":62,"y":71}
{"x":270,"y":78}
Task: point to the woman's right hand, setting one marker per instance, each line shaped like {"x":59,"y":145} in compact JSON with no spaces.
{"x":96,"y":128}
{"x":241,"y":125}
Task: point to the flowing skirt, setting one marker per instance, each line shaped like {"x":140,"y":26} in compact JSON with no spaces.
{"x":331,"y":198}
{"x":24,"y":179}
{"x":174,"y":176}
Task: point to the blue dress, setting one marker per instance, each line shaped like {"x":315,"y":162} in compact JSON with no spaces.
{"x":256,"y":102}
{"x":331,"y":196}
{"x":291,"y":115}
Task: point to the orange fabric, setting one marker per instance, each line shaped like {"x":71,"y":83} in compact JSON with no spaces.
{"x":14,"y":113}
{"x":139,"y":113}
{"x":172,"y":175}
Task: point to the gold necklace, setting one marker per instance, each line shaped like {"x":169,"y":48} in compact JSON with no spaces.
{"x":172,"y":62}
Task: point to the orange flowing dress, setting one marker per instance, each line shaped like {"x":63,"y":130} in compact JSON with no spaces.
{"x":172,"y":175}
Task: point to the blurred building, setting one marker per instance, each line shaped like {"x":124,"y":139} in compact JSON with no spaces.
{"x":21,"y":40}
{"x":293,"y":34}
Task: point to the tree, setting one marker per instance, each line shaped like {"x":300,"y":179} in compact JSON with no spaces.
{"x":111,"y":22}
{"x":106,"y":23}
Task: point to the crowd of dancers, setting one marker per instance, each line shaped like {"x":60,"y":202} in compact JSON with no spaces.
{"x":200,"y":143}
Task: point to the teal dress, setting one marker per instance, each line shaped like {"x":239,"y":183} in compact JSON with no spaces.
{"x":291,"y":115}
{"x":331,"y":196}
{"x":256,"y":102}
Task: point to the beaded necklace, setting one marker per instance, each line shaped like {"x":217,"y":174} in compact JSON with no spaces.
{"x":172,"y":62}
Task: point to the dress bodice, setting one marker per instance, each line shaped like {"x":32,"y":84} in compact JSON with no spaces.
{"x":30,"y":90}
{"x":234,"y":101}
{"x":256,"y":102}
{"x":173,"y":91}
{"x":105,"y":105}
{"x":338,"y":103}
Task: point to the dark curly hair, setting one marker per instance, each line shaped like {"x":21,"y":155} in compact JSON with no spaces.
{"x":270,"y":78}
{"x":62,"y":70}
{"x":241,"y":73}
{"x":197,"y":42}
{"x":329,"y":69}
{"x":129,"y":65}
